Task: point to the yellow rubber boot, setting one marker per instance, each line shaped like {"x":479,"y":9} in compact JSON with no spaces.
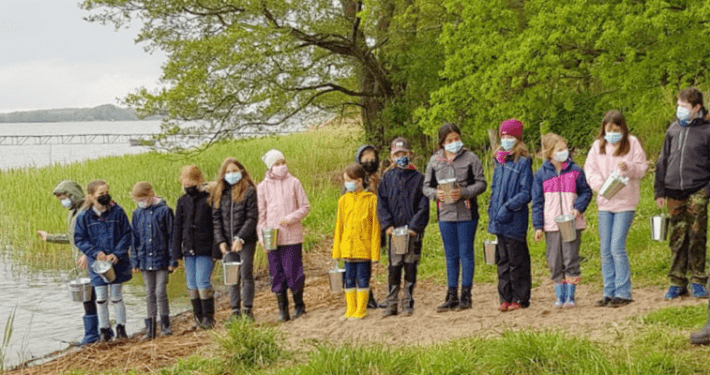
{"x":362,"y":296}
{"x":350,"y":303}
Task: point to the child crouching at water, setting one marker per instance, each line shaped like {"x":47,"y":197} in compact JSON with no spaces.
{"x":152,"y":229}
{"x":560,"y":187}
{"x":103,"y":233}
{"x":356,"y":239}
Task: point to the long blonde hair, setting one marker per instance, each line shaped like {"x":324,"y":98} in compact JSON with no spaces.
{"x":239,"y":190}
{"x":549,"y":141}
{"x":90,"y":190}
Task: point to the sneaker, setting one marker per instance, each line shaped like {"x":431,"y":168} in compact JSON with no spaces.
{"x":603,"y":302}
{"x":698,"y":291}
{"x":514,"y":306}
{"x":618,"y":302}
{"x":504,"y":306}
{"x":675,"y":292}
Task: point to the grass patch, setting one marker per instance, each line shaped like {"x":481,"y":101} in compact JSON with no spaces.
{"x":683,"y":317}
{"x":244,"y":346}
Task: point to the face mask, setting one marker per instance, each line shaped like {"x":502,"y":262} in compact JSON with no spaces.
{"x":104,"y":200}
{"x":613,"y":137}
{"x":508,"y":144}
{"x":370,"y":166}
{"x":402,"y":162}
{"x":233,"y":178}
{"x":66,"y":202}
{"x":142,"y":204}
{"x":280,"y":170}
{"x":350,"y":186}
{"x":453,"y":147}
{"x":562,"y":156}
{"x":192,"y":190}
{"x":683,"y":115}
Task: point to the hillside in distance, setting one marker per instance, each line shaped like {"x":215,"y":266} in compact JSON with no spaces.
{"x":106,"y":112}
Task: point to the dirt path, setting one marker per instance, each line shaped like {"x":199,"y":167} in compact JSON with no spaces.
{"x":322,"y":323}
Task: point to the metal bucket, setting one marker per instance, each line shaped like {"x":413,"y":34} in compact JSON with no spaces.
{"x":105,"y":270}
{"x":659,"y":227}
{"x":489,"y":251}
{"x":567,"y":227}
{"x":447,"y":186}
{"x":79,"y":289}
{"x":231,"y":265}
{"x":400,"y":240}
{"x":271,"y":238}
{"x":613,"y":184}
{"x":336,"y":277}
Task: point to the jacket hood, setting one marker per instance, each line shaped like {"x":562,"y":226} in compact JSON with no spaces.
{"x":72,"y":190}
{"x":362,"y":149}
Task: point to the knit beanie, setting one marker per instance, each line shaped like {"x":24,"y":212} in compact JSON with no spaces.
{"x":512,"y":127}
{"x":271,"y":157}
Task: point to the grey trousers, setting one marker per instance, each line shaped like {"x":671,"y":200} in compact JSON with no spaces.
{"x":563,"y":257}
{"x":156,"y":295}
{"x":244,"y":289}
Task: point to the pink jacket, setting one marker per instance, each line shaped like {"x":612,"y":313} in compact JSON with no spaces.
{"x":281,"y":199}
{"x":598,"y":167}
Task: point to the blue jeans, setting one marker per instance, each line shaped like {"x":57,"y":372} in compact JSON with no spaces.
{"x":613,"y":229}
{"x":458,"y":239}
{"x":198,"y":271}
{"x":357,"y":274}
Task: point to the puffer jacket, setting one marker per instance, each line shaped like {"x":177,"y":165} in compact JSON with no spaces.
{"x":279,"y":199}
{"x":152,"y":230}
{"x":357,"y":231}
{"x":235,"y":219}
{"x":551,"y":193}
{"x":466,"y":168}
{"x":193,"y":233}
{"x":510,"y":195}
{"x":74,"y":193}
{"x":110,"y":233}
{"x":400,"y":200}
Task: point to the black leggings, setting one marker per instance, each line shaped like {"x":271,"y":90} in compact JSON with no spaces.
{"x":90,"y":306}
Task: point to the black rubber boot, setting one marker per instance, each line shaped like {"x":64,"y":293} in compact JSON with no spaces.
{"x":451,"y":302}
{"x":282,"y":299}
{"x":207,"y":313}
{"x":106,"y":335}
{"x":410,"y":280}
{"x":465,"y":303}
{"x":121,"y":332}
{"x":299,"y":308}
{"x":165,"y":325}
{"x":372,"y":302}
{"x":196,"y":312}
{"x":149,"y":329}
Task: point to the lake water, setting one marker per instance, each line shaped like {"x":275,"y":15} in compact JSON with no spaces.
{"x":45,"y":317}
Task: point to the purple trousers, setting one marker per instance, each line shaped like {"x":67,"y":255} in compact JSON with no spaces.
{"x":286,"y":268}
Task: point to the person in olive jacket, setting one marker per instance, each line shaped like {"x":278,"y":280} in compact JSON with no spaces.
{"x":234,"y":216}
{"x":193,"y":241}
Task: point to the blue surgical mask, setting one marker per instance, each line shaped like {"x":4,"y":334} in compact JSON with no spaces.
{"x":508,"y":144}
{"x":453,"y":147}
{"x":233,"y":178}
{"x":402,"y":162}
{"x":66,"y":202}
{"x":142,"y":204}
{"x":613,"y":137}
{"x":683,"y":115}
{"x":562,"y":156}
{"x":350,"y":186}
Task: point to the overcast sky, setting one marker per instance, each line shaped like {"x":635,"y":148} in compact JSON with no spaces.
{"x":51,"y":58}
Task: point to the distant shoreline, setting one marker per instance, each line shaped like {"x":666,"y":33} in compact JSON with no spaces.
{"x":106,"y":112}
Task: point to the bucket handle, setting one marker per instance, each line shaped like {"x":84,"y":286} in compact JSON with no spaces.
{"x":71,"y":272}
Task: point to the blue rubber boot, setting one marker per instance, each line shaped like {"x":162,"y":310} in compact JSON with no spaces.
{"x":570,"y":289}
{"x":91,"y":331}
{"x":561,"y":294}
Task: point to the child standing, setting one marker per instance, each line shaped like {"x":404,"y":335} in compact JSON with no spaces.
{"x":560,"y":187}
{"x":283,"y":204}
{"x":356,"y":239}
{"x":508,"y":216}
{"x":103,"y":233}
{"x":234,"y":217}
{"x":400,"y":202}
{"x":152,"y":228}
{"x":615,"y":150}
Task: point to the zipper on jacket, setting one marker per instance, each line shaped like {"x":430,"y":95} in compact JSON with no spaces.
{"x":683,"y":139}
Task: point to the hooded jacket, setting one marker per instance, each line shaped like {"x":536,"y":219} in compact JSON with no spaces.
{"x":152,"y":230}
{"x":76,"y":195}
{"x":683,"y":166}
{"x":111,"y":233}
{"x":400,"y":200}
{"x":235,"y":219}
{"x":510,"y":195}
{"x":553,"y":194}
{"x":357,"y":231}
{"x":193,"y":233}
{"x":282,"y":199}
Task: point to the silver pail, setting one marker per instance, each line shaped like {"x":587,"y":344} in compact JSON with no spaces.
{"x":105,"y":270}
{"x":567,"y":227}
{"x":400,"y":240}
{"x":80,"y":289}
{"x":659,"y":227}
{"x":336,"y":277}
{"x":613,"y":184}
{"x":271,"y":237}
{"x":489,"y":251}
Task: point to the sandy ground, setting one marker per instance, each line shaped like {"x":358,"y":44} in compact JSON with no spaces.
{"x":322,"y":322}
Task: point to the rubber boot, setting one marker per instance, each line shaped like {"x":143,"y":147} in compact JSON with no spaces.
{"x":569,"y":293}
{"x":560,"y":294}
{"x":451,"y":302}
{"x":371,"y":301}
{"x":165,"y":325}
{"x":106,"y":334}
{"x":299,"y":307}
{"x":465,"y":302}
{"x":702,"y":337}
{"x":208,"y":313}
{"x":410,"y":280}
{"x":394,"y":279}
{"x":282,"y":299}
{"x":121,"y":332}
{"x":361,"y":307}
{"x":91,"y":331}
{"x":196,"y":308}
{"x":350,"y":303}
{"x":149,"y":329}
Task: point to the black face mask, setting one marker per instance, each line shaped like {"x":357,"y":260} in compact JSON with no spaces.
{"x":370,"y":166}
{"x":104,"y":200}
{"x":192,"y":190}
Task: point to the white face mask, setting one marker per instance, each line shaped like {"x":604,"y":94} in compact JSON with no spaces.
{"x":143,"y":204}
{"x":66,"y":202}
{"x":562,"y":156}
